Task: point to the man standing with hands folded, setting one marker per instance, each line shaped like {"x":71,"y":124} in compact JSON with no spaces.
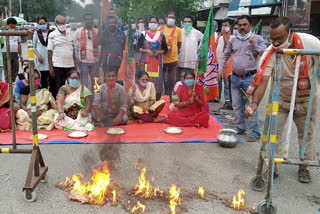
{"x":244,"y":49}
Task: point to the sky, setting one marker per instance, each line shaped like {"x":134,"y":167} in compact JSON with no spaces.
{"x":86,"y":2}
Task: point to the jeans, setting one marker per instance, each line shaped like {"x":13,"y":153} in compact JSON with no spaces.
{"x":88,"y":69}
{"x":227,"y":88}
{"x":1,"y":72}
{"x":239,"y":104}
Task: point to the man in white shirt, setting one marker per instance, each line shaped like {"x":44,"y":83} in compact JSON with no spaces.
{"x":15,"y":51}
{"x":191,"y":41}
{"x":222,"y":41}
{"x":85,"y":37}
{"x":60,"y":52}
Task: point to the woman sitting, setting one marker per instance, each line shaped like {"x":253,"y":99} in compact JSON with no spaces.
{"x":46,"y":107}
{"x":192,"y":110}
{"x":5,"y":113}
{"x":22,"y":84}
{"x":143,"y":98}
{"x":74,"y":105}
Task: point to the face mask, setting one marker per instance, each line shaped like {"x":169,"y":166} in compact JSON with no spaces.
{"x":143,"y":84}
{"x":43,"y":27}
{"x":133,"y":26}
{"x":284,"y":45}
{"x":74,"y":83}
{"x":153,"y":26}
{"x":171,"y":22}
{"x":73,"y":25}
{"x":111,"y":83}
{"x":235,"y":32}
{"x":61,"y":28}
{"x":141,"y":26}
{"x":227,"y":29}
{"x":24,"y":67}
{"x":245,"y":36}
{"x":37,"y":82}
{"x":187,"y":27}
{"x":189,"y":82}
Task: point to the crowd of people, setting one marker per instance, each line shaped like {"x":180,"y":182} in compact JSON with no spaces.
{"x":67,"y":64}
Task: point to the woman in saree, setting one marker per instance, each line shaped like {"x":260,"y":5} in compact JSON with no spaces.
{"x":152,"y":44}
{"x":45,"y":107}
{"x":144,"y":106}
{"x":5,"y":113}
{"x":74,"y":105}
{"x":192,"y":110}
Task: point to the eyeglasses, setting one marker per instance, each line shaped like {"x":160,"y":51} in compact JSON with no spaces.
{"x":89,"y":35}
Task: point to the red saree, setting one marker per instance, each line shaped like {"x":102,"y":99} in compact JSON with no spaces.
{"x":5,"y":115}
{"x":193,"y":113}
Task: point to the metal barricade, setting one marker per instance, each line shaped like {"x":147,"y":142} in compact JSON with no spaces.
{"x":37,"y":169}
{"x":269,"y":137}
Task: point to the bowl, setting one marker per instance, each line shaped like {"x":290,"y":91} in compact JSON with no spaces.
{"x":227,"y":138}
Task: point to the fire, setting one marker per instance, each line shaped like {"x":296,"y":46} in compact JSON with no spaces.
{"x":238,"y":203}
{"x":144,"y":188}
{"x":201,"y":192}
{"x":139,"y":206}
{"x":67,"y":185}
{"x":96,"y":86}
{"x":94,"y":192}
{"x":174,"y":198}
{"x":114,"y":198}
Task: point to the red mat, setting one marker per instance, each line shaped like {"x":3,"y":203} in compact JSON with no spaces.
{"x":135,"y":133}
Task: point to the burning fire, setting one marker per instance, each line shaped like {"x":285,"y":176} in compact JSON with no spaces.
{"x":201,"y":192}
{"x":95,"y":192}
{"x":174,"y":198}
{"x":139,"y":206}
{"x":96,"y":86}
{"x":114,"y":198}
{"x":238,"y":203}
{"x":144,"y":187}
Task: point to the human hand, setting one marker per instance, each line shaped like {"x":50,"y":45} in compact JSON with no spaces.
{"x":220,"y":75}
{"x":191,"y":100}
{"x":146,"y":108}
{"x":61,"y":116}
{"x":84,"y":114}
{"x":52,"y":73}
{"x":21,"y":59}
{"x":150,"y":53}
{"x":252,"y":42}
{"x":251,"y":109}
{"x":194,"y":94}
{"x":117,"y":121}
{"x":40,"y":59}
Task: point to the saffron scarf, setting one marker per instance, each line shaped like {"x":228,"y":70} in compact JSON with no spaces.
{"x":228,"y":69}
{"x":170,"y":39}
{"x":83,"y":43}
{"x":303,"y":89}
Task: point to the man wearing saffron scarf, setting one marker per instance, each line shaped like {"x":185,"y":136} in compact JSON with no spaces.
{"x":88,"y":54}
{"x":282,"y":36}
{"x":244,"y":50}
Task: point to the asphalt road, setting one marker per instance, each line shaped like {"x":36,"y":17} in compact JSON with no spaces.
{"x":221,"y":171}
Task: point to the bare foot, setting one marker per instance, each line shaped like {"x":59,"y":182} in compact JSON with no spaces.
{"x":197,"y":125}
{"x":140,"y":121}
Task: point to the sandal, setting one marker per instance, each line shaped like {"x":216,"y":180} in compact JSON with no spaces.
{"x":304,"y":176}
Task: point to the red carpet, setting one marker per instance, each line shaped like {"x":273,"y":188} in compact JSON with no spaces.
{"x":135,"y":133}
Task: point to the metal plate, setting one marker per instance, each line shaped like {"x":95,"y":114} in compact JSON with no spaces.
{"x":115,"y":131}
{"x":40,"y":136}
{"x":173,"y":130}
{"x":78,"y":134}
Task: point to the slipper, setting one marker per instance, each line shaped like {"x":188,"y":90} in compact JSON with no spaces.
{"x":304,"y":176}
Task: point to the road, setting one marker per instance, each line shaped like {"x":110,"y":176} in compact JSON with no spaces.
{"x":221,"y":172}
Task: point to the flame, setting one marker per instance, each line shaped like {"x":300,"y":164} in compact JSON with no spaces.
{"x":238,"y":203}
{"x":138,"y":207}
{"x":114,"y":198}
{"x":96,"y":86}
{"x":201,"y":192}
{"x":174,"y":198}
{"x":68,"y":184}
{"x":144,"y":188}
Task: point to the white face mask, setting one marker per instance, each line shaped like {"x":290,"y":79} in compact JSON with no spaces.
{"x":226,"y":29}
{"x":61,"y":28}
{"x":153,"y":26}
{"x":245,"y":36}
{"x":284,"y":45}
{"x":235,"y":32}
{"x":171,"y":22}
{"x":133,"y":26}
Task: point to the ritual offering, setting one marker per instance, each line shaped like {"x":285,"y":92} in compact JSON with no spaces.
{"x":227,"y":138}
{"x":78,"y":134}
{"x":173,"y":130}
{"x":115,"y":131}
{"x":41,"y":136}
{"x":175,"y":99}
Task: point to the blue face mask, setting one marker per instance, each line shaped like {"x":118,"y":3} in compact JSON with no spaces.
{"x":74,"y":83}
{"x":189,"y":82}
{"x":43,"y":27}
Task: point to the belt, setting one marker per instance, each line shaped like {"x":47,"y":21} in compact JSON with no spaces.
{"x":252,"y":72}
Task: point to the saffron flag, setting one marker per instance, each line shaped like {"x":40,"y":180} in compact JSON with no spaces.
{"x":208,"y":64}
{"x":127,"y":70}
{"x":105,"y":9}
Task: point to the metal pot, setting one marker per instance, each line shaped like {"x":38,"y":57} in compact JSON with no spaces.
{"x":227,"y":138}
